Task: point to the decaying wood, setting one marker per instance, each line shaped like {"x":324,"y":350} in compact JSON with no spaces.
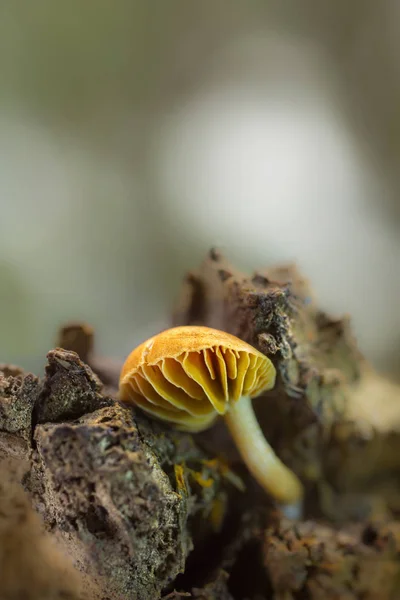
{"x":323,"y":564}
{"x":32,"y":567}
{"x":330,"y":417}
{"x":143,"y":512}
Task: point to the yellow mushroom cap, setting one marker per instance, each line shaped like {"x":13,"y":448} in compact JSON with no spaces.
{"x":189,"y":375}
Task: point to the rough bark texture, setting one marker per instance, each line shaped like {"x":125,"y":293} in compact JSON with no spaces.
{"x":18,"y":396}
{"x":313,"y":561}
{"x":31,"y":566}
{"x":143,"y":512}
{"x":316,"y":416}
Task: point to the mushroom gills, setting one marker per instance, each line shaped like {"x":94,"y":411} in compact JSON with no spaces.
{"x":188,"y":376}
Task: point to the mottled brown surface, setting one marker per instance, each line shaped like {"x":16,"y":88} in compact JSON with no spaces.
{"x":140,"y":512}
{"x":69,"y":390}
{"x":318,"y":563}
{"x":18,"y":395}
{"x":31,"y":566}
{"x":215,"y":590}
{"x":102,"y":491}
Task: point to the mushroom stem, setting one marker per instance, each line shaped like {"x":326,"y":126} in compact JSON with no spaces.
{"x":261,"y":460}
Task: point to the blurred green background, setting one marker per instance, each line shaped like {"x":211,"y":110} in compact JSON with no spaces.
{"x":135,"y":135}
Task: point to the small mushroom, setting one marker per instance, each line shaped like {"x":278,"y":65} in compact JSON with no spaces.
{"x":188,"y":376}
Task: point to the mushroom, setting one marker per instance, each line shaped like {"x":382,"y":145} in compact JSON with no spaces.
{"x":190,"y":375}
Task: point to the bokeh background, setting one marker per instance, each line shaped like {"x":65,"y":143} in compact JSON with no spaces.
{"x":135,"y":135}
